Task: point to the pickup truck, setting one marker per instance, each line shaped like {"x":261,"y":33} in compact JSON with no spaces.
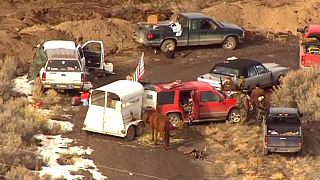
{"x":309,"y":54}
{"x":282,"y":131}
{"x":63,"y":65}
{"x":189,"y":29}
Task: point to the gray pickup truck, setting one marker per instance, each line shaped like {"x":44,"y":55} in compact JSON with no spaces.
{"x":189,"y":29}
{"x":282,"y":131}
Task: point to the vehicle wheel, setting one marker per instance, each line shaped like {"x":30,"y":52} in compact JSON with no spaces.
{"x":168,"y":45}
{"x":175,"y":119}
{"x":230,"y":43}
{"x":234,"y":116}
{"x":130,"y":133}
{"x":139,"y":129}
{"x":265,"y":151}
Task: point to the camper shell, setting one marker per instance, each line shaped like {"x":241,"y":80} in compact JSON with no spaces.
{"x":115,"y":109}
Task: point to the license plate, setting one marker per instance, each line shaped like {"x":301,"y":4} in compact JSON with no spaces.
{"x":62,"y":86}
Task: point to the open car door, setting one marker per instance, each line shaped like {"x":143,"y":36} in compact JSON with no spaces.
{"x":94,"y":54}
{"x":82,"y":59}
{"x":149,"y":99}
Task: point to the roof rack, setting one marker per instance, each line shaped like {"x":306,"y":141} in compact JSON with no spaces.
{"x":173,"y":84}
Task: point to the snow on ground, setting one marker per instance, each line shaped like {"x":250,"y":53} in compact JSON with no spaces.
{"x":52,"y":146}
{"x":64,"y":125}
{"x":21,"y":86}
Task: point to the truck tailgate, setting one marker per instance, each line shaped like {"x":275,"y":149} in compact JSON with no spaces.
{"x":63,"y":77}
{"x":141,"y":32}
{"x":310,"y":60}
{"x":284,"y":141}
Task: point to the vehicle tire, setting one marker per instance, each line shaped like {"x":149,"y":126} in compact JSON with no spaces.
{"x":175,"y":119}
{"x":230,"y":43}
{"x":168,"y":45}
{"x":139,"y":129}
{"x":234,"y":116}
{"x":265,"y":151}
{"x":130,"y":133}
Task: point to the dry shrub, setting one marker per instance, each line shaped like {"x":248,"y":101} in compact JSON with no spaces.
{"x":275,"y":3}
{"x":21,"y":173}
{"x":300,"y":89}
{"x":231,"y":169}
{"x":250,"y":177}
{"x":278,"y":176}
{"x":7,"y":71}
{"x":67,"y":159}
{"x":51,"y":97}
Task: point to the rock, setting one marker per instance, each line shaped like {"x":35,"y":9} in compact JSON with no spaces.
{"x":186,"y":150}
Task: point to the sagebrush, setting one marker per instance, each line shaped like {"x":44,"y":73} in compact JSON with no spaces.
{"x":300,"y":89}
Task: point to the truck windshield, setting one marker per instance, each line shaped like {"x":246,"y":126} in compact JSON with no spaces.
{"x":63,"y":65}
{"x":225,"y":71}
{"x":283,"y":120}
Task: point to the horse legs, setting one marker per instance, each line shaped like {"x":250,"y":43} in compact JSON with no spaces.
{"x":163,"y":138}
{"x":155,"y":142}
{"x":152,"y":138}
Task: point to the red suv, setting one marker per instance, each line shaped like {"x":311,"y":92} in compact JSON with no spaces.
{"x":191,"y":102}
{"x":309,"y":46}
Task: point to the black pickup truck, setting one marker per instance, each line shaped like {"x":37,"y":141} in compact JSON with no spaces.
{"x":282,"y":131}
{"x":188,"y":29}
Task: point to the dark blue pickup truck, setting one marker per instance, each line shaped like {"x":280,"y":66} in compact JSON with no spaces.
{"x":189,"y":29}
{"x":282,"y":131}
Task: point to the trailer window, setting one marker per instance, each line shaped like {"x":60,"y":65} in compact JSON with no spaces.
{"x":113,"y":101}
{"x":98,"y":98}
{"x":166,"y":98}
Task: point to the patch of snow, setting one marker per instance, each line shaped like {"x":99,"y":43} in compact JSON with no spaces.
{"x":52,"y":146}
{"x":232,"y":58}
{"x":21,"y":86}
{"x":64,"y":125}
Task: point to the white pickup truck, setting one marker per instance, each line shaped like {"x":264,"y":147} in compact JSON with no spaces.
{"x":62,"y":65}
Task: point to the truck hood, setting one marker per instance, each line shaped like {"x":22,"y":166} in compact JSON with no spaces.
{"x":231,"y":26}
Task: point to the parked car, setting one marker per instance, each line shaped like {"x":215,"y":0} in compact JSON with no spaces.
{"x":189,"y":29}
{"x":266,"y":74}
{"x":115,"y":109}
{"x":282,"y":131}
{"x":309,"y":54}
{"x":208,"y":104}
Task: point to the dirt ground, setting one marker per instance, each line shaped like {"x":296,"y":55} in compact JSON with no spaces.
{"x":232,"y":152}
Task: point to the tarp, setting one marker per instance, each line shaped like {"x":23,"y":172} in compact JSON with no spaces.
{"x":39,"y":61}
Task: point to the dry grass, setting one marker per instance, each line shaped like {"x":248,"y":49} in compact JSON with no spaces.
{"x":238,"y":148}
{"x":300,"y":89}
{"x":67,"y":159}
{"x":21,"y":173}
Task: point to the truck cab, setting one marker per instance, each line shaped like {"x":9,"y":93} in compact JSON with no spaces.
{"x":207,"y":104}
{"x":282,"y":131}
{"x":309,"y":54}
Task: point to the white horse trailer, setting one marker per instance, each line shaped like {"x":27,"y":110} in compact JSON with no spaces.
{"x":115,"y":109}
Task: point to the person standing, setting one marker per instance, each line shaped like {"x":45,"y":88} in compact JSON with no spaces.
{"x":244,"y":106}
{"x":264,"y":106}
{"x":256,"y":92}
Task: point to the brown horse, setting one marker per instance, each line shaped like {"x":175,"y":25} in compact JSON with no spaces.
{"x":160,"y":124}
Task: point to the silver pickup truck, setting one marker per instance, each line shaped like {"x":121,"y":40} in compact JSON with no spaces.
{"x":282,"y":131}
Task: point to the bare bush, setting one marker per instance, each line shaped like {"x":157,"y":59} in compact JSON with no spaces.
{"x":300,"y":89}
{"x":21,"y":173}
{"x":7,"y":71}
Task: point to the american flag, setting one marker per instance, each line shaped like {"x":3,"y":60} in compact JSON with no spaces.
{"x":139,"y":70}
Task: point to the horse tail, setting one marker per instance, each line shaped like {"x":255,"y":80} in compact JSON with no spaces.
{"x":167,"y":133}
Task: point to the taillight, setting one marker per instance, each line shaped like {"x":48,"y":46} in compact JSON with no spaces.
{"x":83,"y":77}
{"x":44,"y":76}
{"x":266,"y":141}
{"x":303,"y":59}
{"x":151,"y":36}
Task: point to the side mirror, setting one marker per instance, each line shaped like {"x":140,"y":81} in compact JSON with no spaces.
{"x":300,"y":30}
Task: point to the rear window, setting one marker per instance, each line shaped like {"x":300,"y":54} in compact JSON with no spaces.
{"x":283,"y":120}
{"x":63,"y":65}
{"x":225,"y":71}
{"x":166,"y":98}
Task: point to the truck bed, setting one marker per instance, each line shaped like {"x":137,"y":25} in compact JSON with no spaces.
{"x":283,"y":137}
